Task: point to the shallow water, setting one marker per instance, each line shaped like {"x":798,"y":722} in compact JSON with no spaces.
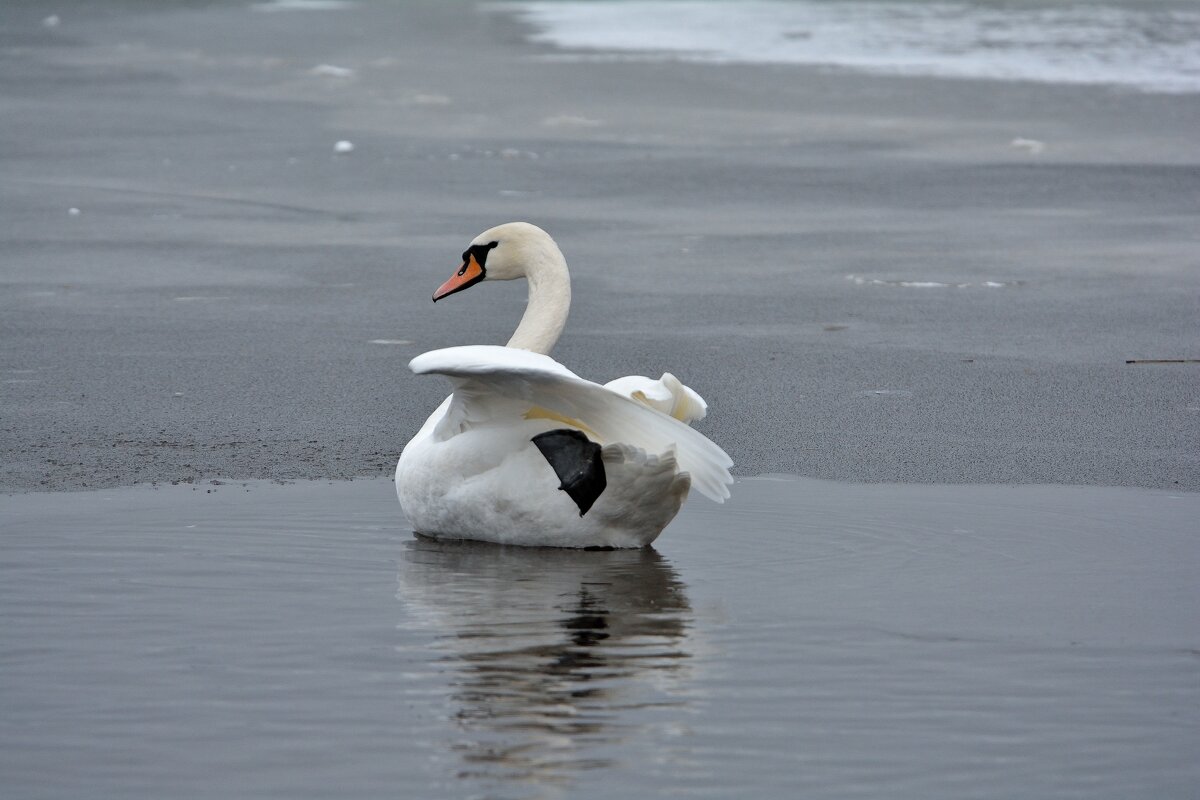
{"x":808,"y":638}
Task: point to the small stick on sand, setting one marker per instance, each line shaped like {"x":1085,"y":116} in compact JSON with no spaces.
{"x":1162,"y":361}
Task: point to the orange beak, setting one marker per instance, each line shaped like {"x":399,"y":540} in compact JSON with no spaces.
{"x":469,"y":275}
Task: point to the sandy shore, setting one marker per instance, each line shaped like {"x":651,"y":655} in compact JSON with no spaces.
{"x":232,"y":299}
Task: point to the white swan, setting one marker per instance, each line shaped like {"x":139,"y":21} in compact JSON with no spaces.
{"x":525,"y":452}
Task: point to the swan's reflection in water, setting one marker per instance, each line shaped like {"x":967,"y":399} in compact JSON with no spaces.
{"x":557,"y":656}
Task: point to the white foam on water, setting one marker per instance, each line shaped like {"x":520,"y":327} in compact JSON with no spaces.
{"x":331,"y":71}
{"x":859,"y":280}
{"x":1031,"y":146}
{"x":1149,"y":47}
{"x":302,"y":5}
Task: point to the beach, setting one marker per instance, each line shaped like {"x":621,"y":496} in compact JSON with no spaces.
{"x":863,"y":275}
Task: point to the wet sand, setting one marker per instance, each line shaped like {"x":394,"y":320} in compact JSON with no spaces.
{"x":810,"y":638}
{"x":217,"y":306}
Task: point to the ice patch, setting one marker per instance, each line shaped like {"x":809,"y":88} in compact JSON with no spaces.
{"x":52,"y":21}
{"x":424,"y":99}
{"x":302,"y":5}
{"x":331,"y":71}
{"x":859,"y":280}
{"x":343,"y":146}
{"x":1032,"y":146}
{"x":73,"y":212}
{"x":884,"y":393}
{"x":1151,"y":47}
{"x":390,"y":341}
{"x":570,"y":121}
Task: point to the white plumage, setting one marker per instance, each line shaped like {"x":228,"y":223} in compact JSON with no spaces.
{"x":473,"y":471}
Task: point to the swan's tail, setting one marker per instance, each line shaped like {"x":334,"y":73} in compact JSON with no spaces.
{"x":667,"y":394}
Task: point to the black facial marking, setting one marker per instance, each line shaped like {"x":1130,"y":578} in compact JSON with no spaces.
{"x":480,"y":251}
{"x":577,"y":463}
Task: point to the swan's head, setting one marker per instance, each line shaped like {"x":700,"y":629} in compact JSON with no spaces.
{"x":502,"y":253}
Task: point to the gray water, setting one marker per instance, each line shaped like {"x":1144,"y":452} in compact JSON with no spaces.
{"x":807,"y":639}
{"x":1150,"y":46}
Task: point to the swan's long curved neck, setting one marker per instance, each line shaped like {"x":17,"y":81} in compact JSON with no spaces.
{"x":548,"y":306}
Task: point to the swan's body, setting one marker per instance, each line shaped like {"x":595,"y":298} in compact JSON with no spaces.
{"x":526,"y":452}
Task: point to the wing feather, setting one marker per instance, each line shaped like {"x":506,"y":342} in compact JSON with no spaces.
{"x":480,"y":371}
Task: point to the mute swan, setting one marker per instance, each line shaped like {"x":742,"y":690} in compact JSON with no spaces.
{"x":525,"y":452}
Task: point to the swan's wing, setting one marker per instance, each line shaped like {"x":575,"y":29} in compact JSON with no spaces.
{"x":667,"y":394}
{"x":482,"y":371}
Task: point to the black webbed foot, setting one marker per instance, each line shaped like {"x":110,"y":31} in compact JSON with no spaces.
{"x":577,"y":463}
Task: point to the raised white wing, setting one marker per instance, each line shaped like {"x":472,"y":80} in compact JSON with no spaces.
{"x":480,"y":371}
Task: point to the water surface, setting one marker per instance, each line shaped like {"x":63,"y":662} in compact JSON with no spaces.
{"x":1150,"y":46}
{"x":807,"y":639}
